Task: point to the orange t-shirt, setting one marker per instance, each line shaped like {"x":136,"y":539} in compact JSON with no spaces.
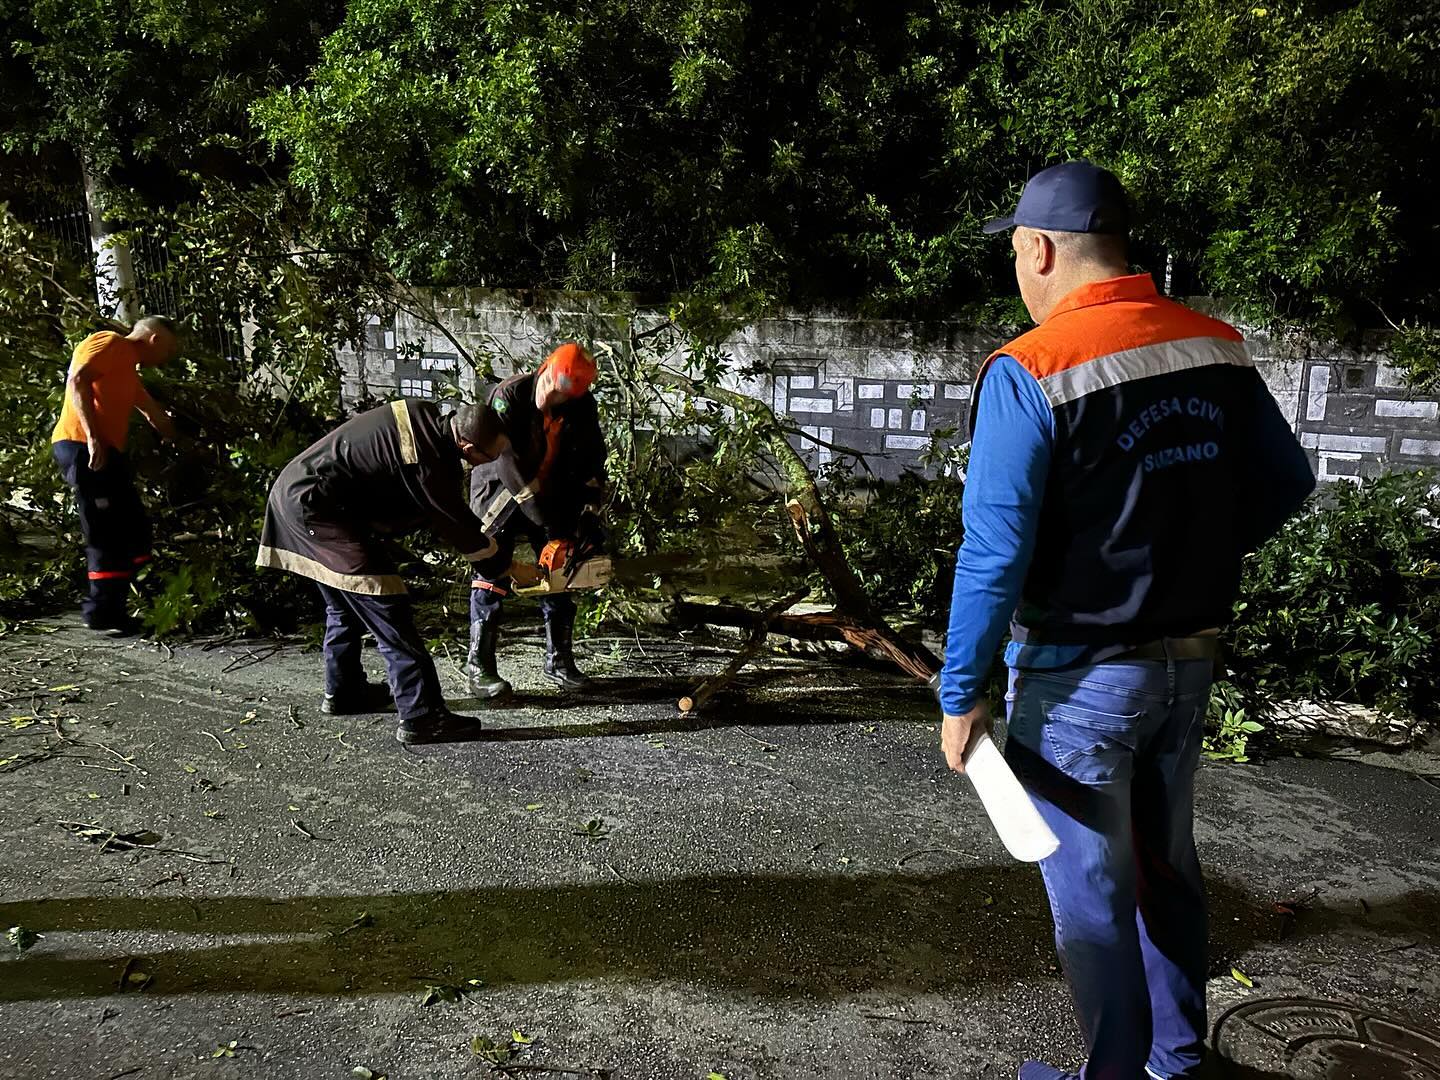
{"x":115,"y":360}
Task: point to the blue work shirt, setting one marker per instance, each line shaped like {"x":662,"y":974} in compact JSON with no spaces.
{"x":1004,"y":490}
{"x":1010,"y":463}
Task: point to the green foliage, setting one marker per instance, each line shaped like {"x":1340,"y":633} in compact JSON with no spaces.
{"x":149,"y":81}
{"x":43,"y":302}
{"x":1259,"y":142}
{"x":1344,"y":604}
{"x":496,"y":1052}
{"x":594,"y":829}
{"x":1281,"y":156}
{"x":757,"y":152}
{"x":240,"y":420}
{"x":685,"y":474}
{"x":902,"y":538}
{"x":207,"y":501}
{"x":1228,"y":725}
{"x":1415,"y":350}
{"x":766,"y":153}
{"x":153,"y":97}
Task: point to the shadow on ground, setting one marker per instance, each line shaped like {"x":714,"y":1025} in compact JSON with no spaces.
{"x":731,"y":709}
{"x":620,"y":690}
{"x":776,"y":936}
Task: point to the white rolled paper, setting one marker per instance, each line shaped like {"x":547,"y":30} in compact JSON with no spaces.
{"x":1019,"y":825}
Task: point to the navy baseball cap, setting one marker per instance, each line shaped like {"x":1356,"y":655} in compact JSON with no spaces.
{"x":1074,"y":197}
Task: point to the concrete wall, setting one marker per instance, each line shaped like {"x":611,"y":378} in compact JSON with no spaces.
{"x":883,"y":388}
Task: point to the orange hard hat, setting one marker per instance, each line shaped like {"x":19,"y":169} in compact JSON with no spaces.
{"x":573,"y":368}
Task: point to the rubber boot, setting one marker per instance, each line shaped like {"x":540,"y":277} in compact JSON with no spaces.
{"x":480,"y":667}
{"x":560,"y":649}
{"x":104,"y":609}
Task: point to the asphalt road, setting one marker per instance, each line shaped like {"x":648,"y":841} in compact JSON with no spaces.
{"x":790,"y":886}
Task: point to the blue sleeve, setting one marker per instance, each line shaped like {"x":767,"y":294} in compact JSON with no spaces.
{"x":1273,"y":473}
{"x":1004,"y":487}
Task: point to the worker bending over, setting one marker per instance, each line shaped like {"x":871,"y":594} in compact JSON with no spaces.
{"x":102,"y":390}
{"x":554,"y":502}
{"x":331,"y":516}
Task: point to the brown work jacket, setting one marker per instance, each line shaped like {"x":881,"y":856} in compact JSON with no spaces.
{"x":387,"y":472}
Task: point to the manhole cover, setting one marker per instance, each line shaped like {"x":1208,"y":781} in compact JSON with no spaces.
{"x":1297,"y":1039}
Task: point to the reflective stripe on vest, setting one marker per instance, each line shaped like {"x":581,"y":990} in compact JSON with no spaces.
{"x":408,"y":453}
{"x":1111,"y":332}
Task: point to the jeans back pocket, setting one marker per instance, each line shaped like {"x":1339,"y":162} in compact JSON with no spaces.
{"x":1089,"y":745}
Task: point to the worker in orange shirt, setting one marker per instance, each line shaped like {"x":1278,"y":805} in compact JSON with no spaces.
{"x":102,"y":388}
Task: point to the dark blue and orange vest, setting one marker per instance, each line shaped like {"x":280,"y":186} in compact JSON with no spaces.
{"x":1152,"y":402}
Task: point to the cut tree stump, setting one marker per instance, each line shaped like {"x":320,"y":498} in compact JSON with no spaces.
{"x":1341,"y":720}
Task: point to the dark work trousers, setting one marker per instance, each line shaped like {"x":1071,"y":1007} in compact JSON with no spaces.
{"x":391,"y":622}
{"x":113,"y":522}
{"x":496,"y":571}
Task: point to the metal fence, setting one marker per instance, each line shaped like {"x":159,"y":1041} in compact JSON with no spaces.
{"x":68,"y":224}
{"x":67,"y":221}
{"x":161,"y":294}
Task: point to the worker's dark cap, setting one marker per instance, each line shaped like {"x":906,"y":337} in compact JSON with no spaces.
{"x":1074,"y":197}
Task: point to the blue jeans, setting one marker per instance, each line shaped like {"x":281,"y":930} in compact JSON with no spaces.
{"x":1109,"y":751}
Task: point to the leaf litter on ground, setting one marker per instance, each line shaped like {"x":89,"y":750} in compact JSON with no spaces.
{"x":494,"y":1051}
{"x":434,"y":993}
{"x":594,"y":829}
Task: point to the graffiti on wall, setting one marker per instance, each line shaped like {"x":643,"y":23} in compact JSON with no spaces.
{"x":1358,"y":420}
{"x":891,"y":422}
{"x":867,"y":395}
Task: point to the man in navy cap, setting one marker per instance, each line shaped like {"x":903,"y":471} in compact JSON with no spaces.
{"x":1125,"y":457}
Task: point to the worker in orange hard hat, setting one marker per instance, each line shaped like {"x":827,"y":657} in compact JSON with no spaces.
{"x":555,"y":502}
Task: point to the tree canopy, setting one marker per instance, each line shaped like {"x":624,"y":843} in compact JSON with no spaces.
{"x":847,"y":152}
{"x":144,"y":91}
{"x":821,"y":153}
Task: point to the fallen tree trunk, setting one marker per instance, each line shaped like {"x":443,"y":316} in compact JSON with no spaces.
{"x":808,"y":513}
{"x":914,"y":660}
{"x":1340,"y":720}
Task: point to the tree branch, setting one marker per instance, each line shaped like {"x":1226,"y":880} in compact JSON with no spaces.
{"x":857,"y":620}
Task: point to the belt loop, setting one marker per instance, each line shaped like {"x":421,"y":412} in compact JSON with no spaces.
{"x":1169,"y":671}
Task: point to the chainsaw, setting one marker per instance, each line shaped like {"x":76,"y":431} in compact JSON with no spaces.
{"x":585,"y":570}
{"x":593,"y":573}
